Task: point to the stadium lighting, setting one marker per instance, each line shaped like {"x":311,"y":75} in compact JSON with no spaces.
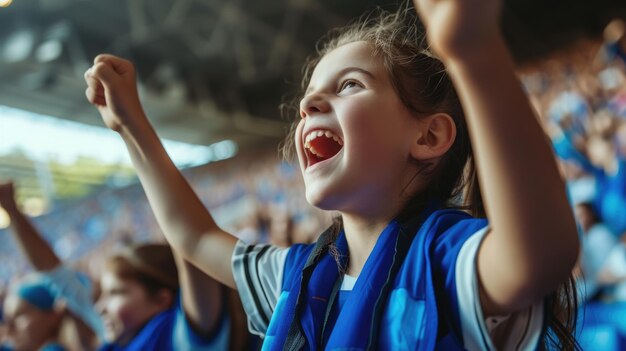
{"x":18,"y":46}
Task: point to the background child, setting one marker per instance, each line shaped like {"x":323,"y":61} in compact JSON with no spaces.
{"x":32,"y":320}
{"x":142,"y":310}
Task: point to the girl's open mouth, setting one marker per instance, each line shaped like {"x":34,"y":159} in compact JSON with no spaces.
{"x":320,"y":145}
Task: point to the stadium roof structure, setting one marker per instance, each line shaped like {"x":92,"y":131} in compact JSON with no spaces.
{"x":216,"y":69}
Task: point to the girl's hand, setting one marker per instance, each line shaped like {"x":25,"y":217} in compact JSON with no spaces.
{"x":112,"y":88}
{"x":457,"y":28}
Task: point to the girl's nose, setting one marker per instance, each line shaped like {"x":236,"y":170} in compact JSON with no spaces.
{"x":313,"y":104}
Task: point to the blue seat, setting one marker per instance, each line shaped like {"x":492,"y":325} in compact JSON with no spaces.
{"x":602,"y":326}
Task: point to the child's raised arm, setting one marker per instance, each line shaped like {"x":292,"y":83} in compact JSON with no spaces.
{"x":533,"y":244}
{"x":30,"y":241}
{"x":188,"y":226}
{"x":202,"y":297}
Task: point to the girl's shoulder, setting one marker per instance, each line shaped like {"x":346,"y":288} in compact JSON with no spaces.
{"x":452,"y":224}
{"x":443,"y":233}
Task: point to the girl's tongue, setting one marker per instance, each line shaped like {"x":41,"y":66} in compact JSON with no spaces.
{"x":322,"y":148}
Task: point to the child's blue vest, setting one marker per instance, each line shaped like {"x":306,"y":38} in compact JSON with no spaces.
{"x":393,"y":305}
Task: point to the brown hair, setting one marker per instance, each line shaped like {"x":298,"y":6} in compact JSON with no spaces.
{"x":152,"y":265}
{"x":422,"y":83}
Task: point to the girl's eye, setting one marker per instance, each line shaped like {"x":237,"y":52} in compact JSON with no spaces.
{"x":348,"y":84}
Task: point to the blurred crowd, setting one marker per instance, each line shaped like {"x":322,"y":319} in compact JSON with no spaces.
{"x":258,"y":197}
{"x":581,"y":100}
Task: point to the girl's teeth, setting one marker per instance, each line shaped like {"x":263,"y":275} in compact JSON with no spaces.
{"x":317,"y":134}
{"x":320,"y":133}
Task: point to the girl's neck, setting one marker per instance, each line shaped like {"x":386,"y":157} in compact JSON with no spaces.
{"x":361,"y":235}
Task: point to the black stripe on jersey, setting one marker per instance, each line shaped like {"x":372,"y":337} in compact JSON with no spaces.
{"x":256,"y":263}
{"x":257,"y":302}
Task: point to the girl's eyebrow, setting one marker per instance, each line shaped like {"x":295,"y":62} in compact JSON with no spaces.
{"x":355,"y":69}
{"x":345,"y":71}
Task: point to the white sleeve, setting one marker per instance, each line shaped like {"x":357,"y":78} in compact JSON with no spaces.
{"x":518,"y":331}
{"x":258,"y":273}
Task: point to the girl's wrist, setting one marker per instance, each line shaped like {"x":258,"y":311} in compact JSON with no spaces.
{"x":485,"y":52}
{"x":138,"y":129}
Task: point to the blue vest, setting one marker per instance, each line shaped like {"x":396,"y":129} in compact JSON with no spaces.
{"x":396,"y":302}
{"x":159,"y":333}
{"x":155,"y":335}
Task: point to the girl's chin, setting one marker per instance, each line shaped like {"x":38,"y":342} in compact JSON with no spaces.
{"x":313,"y":196}
{"x":316,"y":202}
{"x":320,"y":201}
{"x":111,"y":336}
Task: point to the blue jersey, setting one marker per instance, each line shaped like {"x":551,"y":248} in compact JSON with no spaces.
{"x":433,"y":301}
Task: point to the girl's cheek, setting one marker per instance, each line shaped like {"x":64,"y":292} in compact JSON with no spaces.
{"x":114,"y":313}
{"x":22,"y":323}
{"x":297,"y":143}
{"x":116,"y":317}
{"x":118,"y":309}
{"x":297,"y":136}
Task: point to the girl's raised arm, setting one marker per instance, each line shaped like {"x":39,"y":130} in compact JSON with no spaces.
{"x":533,"y":243}
{"x":186,"y":223}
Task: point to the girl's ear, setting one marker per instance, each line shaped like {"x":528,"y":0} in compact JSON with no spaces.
{"x":437,"y":136}
{"x":164,"y":298}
